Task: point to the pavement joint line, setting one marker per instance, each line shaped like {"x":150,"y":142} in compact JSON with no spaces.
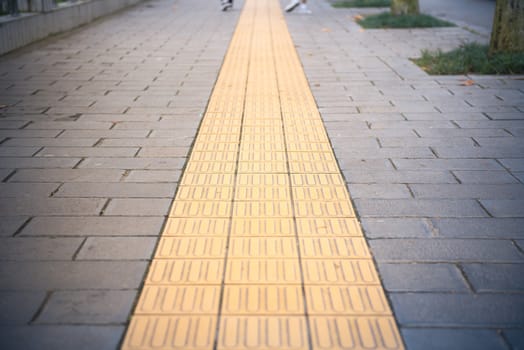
{"x":264,"y":250}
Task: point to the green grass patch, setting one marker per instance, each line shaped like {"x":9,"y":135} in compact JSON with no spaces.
{"x":471,"y":58}
{"x":362,"y":3}
{"x":387,"y":20}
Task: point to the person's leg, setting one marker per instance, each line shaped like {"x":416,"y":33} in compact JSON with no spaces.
{"x":303,"y":7}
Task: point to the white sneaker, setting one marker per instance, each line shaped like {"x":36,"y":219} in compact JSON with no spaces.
{"x":304,"y":10}
{"x":227,"y":4}
{"x":292,"y":5}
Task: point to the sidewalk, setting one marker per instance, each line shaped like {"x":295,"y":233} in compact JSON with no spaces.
{"x":435,"y":169}
{"x":101,"y":121}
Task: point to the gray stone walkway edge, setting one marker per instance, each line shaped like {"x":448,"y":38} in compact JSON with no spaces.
{"x":24,"y":30}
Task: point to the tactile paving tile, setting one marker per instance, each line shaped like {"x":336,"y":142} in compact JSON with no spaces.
{"x":354,"y":333}
{"x":340,"y":271}
{"x":171,"y":332}
{"x":185,"y":271}
{"x":263,"y":300}
{"x":197,"y":227}
{"x":263,"y":332}
{"x":262,"y":249}
{"x":156,"y":300}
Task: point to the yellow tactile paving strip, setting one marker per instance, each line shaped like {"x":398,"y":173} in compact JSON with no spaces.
{"x":262,"y":249}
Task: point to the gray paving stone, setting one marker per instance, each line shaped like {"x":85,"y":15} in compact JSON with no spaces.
{"x":384,"y":191}
{"x":515,"y":337}
{"x":514,"y":164}
{"x":49,"y":206}
{"x":145,"y":142}
{"x":153,"y":176}
{"x":94,"y":226}
{"x":87,"y":307}
{"x":478,"y":152}
{"x":495,"y":277}
{"x":422,"y":278}
{"x":364,"y":164}
{"x":113,"y":134}
{"x":19,"y":307}
{"x":138,"y":207}
{"x":399,"y":142}
{"x":17,"y":151}
{"x":485,"y":177}
{"x":133,"y":163}
{"x":22,"y":248}
{"x":27,"y":190}
{"x":445,"y":250}
{"x":452,"y":339}
{"x":383,"y":153}
{"x":88,"y":152}
{"x":445,"y":310}
{"x":39,"y":163}
{"x":114,"y":190}
{"x":502,"y":228}
{"x":397,"y":228}
{"x":504,"y":207}
{"x":9,"y":225}
{"x":398,"y":177}
{"x":117,"y":248}
{"x":64,"y":337}
{"x":69,"y":125}
{"x":23,"y":133}
{"x":494,"y":132}
{"x":50,"y":142}
{"x":71,"y":275}
{"x":67,"y":175}
{"x":467,"y":191}
{"x":419,"y":207}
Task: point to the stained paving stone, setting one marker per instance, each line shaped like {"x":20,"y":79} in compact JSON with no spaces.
{"x":87,"y":307}
{"x":452,"y":339}
{"x":453,"y":310}
{"x":61,"y":337}
{"x":422,"y":278}
{"x":117,"y":248}
{"x":447,"y":164}
{"x":19,"y":307}
{"x":495,"y":277}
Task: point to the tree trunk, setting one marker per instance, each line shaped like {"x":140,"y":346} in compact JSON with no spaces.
{"x":403,"y":7}
{"x":508,"y":27}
